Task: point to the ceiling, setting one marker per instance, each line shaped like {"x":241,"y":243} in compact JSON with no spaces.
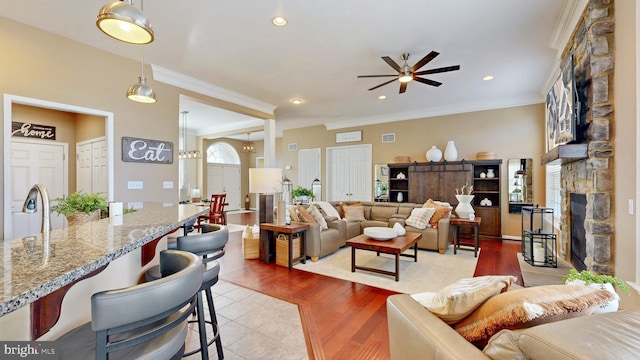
{"x":233,"y":46}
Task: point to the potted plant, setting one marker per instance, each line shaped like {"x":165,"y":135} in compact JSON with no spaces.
{"x":602,"y":281}
{"x":80,"y":207}
{"x":302,"y":194}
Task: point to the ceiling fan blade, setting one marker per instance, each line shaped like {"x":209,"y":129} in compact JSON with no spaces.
{"x":430,"y":56}
{"x":383,"y":84}
{"x":438,"y":70}
{"x":392,"y":63}
{"x":428,"y":82}
{"x":372,"y":76}
{"x":403,"y":87}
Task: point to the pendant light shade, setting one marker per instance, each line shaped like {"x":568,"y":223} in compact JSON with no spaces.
{"x":187,"y":154}
{"x":141,"y":92}
{"x":123,"y":21}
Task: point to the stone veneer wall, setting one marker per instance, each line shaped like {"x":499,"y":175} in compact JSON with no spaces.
{"x":592,"y":48}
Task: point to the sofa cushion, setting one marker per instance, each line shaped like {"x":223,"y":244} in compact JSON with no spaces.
{"x":341,"y":205}
{"x":454,"y":302}
{"x":441,"y":211}
{"x":419,"y":217}
{"x":318,"y":217}
{"x":354,"y":213}
{"x":527,"y":307}
{"x":504,"y":346}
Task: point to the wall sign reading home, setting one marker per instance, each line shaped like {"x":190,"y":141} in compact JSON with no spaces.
{"x":147,"y":151}
{"x":29,"y":130}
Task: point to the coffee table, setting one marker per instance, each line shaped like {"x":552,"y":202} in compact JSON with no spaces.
{"x":395,"y":246}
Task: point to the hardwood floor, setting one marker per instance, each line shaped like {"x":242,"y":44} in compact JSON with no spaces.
{"x":341,"y":319}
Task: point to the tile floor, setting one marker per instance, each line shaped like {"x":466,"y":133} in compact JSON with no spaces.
{"x":252,"y":326}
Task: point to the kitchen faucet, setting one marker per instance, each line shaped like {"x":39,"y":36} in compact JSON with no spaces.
{"x":30,"y":206}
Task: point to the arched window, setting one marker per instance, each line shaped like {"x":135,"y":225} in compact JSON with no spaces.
{"x":222,"y":153}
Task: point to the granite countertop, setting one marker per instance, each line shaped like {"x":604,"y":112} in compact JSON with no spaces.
{"x":29,"y":269}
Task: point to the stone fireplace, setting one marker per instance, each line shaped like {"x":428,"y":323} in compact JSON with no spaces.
{"x":577,"y":217}
{"x":591,"y":177}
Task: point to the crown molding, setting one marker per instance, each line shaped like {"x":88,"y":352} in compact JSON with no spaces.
{"x":201,"y":87}
{"x":427,"y":113}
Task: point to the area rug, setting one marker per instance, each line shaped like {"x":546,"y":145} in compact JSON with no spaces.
{"x":539,"y":275}
{"x":432,"y":272}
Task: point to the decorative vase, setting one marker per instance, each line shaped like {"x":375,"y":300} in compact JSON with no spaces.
{"x":464,"y":208}
{"x":450,"y":152}
{"x":483,"y":175}
{"x":434,"y":154}
{"x":400,"y":197}
{"x":490,"y":174}
{"x":81,"y":218}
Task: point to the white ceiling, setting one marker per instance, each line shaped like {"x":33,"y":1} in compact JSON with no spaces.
{"x":232,"y":45}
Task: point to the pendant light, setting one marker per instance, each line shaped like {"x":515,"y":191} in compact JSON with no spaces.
{"x":123,"y":21}
{"x":187,"y":154}
{"x":141,"y":92}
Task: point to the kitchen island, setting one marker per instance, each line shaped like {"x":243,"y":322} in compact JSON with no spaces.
{"x":36,"y":271}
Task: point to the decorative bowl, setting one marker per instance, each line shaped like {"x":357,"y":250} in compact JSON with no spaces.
{"x":380,"y":233}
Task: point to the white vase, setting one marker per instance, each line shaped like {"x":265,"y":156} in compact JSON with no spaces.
{"x":434,"y":154}
{"x":490,"y":174}
{"x":450,"y":152}
{"x":464,"y":208}
{"x":400,"y":197}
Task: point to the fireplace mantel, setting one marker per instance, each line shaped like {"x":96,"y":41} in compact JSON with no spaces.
{"x":566,"y":153}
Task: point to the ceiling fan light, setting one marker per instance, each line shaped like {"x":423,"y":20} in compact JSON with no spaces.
{"x":405,"y":78}
{"x":279,"y":21}
{"x":123,"y":21}
{"x":141,"y":92}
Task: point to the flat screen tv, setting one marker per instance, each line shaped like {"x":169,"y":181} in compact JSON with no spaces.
{"x":560,"y":107}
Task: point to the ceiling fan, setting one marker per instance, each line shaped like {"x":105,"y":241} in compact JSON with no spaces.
{"x":406,"y":74}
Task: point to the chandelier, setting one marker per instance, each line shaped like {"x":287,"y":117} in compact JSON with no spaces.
{"x":187,"y":154}
{"x":248,"y":146}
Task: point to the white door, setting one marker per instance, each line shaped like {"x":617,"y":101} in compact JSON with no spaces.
{"x":308,"y":167}
{"x":83,"y":168}
{"x":349,"y":173}
{"x":225,"y":178}
{"x":91,"y":166}
{"x":36,"y":163}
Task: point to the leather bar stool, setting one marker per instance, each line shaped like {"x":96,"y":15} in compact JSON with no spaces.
{"x":187,"y":228}
{"x":210,"y":246}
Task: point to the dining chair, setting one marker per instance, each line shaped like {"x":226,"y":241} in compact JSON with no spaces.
{"x":216,"y":213}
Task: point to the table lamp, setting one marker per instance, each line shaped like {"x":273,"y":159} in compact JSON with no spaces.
{"x":266,"y":182}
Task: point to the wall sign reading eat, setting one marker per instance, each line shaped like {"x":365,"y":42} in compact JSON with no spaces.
{"x":147,"y":151}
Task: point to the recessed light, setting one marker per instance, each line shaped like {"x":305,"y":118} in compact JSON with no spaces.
{"x":279,"y":21}
{"x":296,"y":101}
{"x":382,"y":97}
{"x":487,"y":78}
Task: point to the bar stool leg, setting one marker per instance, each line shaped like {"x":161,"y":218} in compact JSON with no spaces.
{"x":202,"y":331}
{"x":214,"y":323}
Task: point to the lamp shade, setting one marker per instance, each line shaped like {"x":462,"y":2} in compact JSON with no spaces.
{"x":141,"y":92}
{"x":123,"y":21}
{"x":265,"y":180}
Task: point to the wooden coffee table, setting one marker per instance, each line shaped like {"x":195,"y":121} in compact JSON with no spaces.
{"x":395,"y":246}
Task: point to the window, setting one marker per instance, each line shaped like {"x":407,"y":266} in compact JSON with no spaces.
{"x":222,"y":153}
{"x":553,"y":195}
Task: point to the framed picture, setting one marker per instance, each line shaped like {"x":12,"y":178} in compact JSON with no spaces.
{"x":560,"y":105}
{"x":349,"y":136}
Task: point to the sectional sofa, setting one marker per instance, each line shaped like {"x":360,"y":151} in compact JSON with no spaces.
{"x":320,"y":243}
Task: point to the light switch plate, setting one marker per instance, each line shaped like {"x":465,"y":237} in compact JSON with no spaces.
{"x":134,"y":205}
{"x":135,"y":185}
{"x":167,"y":184}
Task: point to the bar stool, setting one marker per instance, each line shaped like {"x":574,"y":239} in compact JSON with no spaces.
{"x":124,"y":325}
{"x":186,"y":228}
{"x":210,"y":246}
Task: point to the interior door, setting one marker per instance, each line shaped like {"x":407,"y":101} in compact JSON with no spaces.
{"x":92,"y":166}
{"x":36,"y":163}
{"x":349,"y":173}
{"x":225,"y":178}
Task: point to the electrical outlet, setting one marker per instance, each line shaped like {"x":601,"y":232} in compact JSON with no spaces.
{"x":135,"y":185}
{"x":167,"y":184}
{"x":134,"y":205}
{"x":631,"y":207}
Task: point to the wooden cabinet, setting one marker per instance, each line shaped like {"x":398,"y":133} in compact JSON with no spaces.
{"x":399,"y":185}
{"x":438,"y":180}
{"x":487,"y":200}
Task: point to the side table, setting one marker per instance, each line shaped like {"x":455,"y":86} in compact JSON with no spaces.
{"x":268,"y":234}
{"x":454,"y":231}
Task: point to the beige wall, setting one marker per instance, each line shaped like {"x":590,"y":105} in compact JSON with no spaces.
{"x":516,"y":132}
{"x":89,"y":127}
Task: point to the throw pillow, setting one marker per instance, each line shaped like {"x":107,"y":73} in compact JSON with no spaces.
{"x":354,"y":213}
{"x":441,"y":211}
{"x":294,"y":213}
{"x":318,"y":217}
{"x":305,"y":216}
{"x":454,"y":302}
{"x":342,"y":205}
{"x":504,"y":346}
{"x":419,"y":217}
{"x":527,"y":307}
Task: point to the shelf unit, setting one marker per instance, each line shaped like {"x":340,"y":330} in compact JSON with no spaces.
{"x":487,"y":190}
{"x":398,"y":185}
{"x":538,"y":237}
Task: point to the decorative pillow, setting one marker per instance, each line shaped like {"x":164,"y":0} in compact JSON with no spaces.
{"x":522,"y":308}
{"x":341,"y":208}
{"x":419,"y":217}
{"x":504,"y":346}
{"x":318,"y":217}
{"x":354,"y":213}
{"x":441,"y":211}
{"x":454,"y":302}
{"x":293,"y":213}
{"x":305,"y":216}
{"x":328,"y":209}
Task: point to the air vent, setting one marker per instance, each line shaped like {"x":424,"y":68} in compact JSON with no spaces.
{"x":389,"y":138}
{"x":293,"y":147}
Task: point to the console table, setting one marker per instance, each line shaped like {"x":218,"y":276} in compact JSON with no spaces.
{"x":454,"y":229}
